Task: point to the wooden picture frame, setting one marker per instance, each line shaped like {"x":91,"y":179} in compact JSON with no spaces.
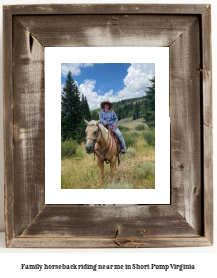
{"x":186,"y":30}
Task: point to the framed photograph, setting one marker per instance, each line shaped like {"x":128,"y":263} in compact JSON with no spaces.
{"x":107,"y":34}
{"x":140,"y":167}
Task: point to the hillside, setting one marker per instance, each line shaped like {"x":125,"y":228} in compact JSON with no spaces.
{"x":95,"y":110}
{"x":120,"y":103}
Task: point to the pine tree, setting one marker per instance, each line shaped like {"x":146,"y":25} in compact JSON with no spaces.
{"x":70,"y":109}
{"x":117,"y":111}
{"x":95,"y":116}
{"x":137,"y":109}
{"x":122,"y":112}
{"x":82,"y":104}
{"x":147,"y":108}
{"x":80,"y":132}
{"x":87,"y":110}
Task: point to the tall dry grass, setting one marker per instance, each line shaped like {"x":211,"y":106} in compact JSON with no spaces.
{"x":82,"y":172}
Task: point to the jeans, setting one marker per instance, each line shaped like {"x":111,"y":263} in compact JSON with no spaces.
{"x":120,"y":136}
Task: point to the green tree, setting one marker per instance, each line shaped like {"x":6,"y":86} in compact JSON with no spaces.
{"x":82,"y":104}
{"x":87,"y":115}
{"x":147,"y":108}
{"x":80,"y":132}
{"x":85,"y":108}
{"x":122,"y":112}
{"x":118,"y":112}
{"x":70,"y":109}
{"x":95,"y":116}
{"x":136,"y":109}
{"x":130,"y":113}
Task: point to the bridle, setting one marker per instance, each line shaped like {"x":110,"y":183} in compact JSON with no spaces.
{"x":95,"y":150}
{"x":94,"y":139}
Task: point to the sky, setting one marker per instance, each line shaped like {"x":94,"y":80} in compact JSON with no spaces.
{"x":110,"y":81}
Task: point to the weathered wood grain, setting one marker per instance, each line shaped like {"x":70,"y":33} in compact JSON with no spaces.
{"x":29,"y":129}
{"x":208,"y":183}
{"x":186,"y":29}
{"x":109,"y":221}
{"x":207,"y":118}
{"x":106,"y":9}
{"x":69,"y":242}
{"x":8,"y":126}
{"x":107,"y":30}
{"x":185,"y":113}
{"x":207,"y":66}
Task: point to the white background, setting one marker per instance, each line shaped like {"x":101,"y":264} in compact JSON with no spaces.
{"x":53,"y":192}
{"x":203,"y":257}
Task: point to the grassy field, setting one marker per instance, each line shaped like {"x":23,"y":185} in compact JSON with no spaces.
{"x":128,"y":122}
{"x":136,"y":170}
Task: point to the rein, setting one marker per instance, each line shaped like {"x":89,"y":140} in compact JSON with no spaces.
{"x":104,"y":147}
{"x":109,"y":152}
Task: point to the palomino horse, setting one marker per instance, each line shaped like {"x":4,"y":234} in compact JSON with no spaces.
{"x":105,"y":147}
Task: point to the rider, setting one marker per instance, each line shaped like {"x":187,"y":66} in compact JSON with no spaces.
{"x":109,"y":118}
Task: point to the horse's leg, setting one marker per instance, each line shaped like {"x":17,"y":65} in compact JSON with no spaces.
{"x":101,"y":166}
{"x":115,"y":163}
{"x":112,"y":166}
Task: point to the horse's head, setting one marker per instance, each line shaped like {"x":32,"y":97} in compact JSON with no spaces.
{"x":93,"y":135}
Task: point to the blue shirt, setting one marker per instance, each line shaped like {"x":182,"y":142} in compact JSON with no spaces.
{"x":110,"y":117}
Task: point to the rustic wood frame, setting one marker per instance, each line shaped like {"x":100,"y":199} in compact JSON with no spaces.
{"x":188,"y":220}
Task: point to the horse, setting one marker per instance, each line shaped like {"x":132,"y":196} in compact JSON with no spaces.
{"x":100,"y":141}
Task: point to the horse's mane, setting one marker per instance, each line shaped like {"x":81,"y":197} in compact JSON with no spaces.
{"x":103,"y":129}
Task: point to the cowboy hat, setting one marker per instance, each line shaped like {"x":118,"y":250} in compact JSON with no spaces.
{"x":108,"y":102}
